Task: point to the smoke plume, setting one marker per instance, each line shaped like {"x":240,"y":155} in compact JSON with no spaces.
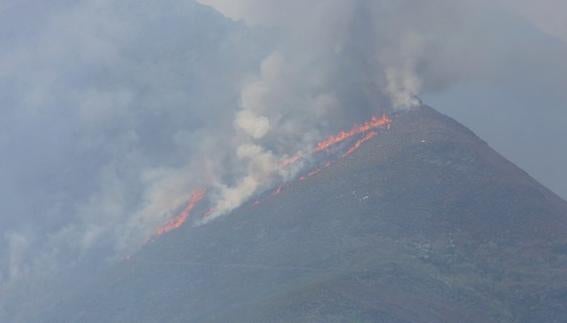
{"x":335,"y":62}
{"x":113,"y":113}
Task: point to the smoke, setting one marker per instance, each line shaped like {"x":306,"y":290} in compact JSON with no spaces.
{"x":255,"y":126}
{"x":402,"y":81}
{"x":110,"y":118}
{"x":380,"y":48}
{"x":335,"y":62}
{"x":261,"y":165}
{"x":114,"y":112}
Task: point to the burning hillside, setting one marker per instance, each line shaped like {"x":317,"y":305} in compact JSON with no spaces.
{"x":424,"y":223}
{"x":179,"y":220}
{"x":321,"y":156}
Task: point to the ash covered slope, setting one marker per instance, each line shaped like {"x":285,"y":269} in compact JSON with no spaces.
{"x":425,"y":223}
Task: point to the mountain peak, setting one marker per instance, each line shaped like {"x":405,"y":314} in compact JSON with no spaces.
{"x":423,"y":223}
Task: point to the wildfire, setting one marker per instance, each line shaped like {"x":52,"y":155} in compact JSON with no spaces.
{"x":368,"y":129}
{"x":360,"y":142}
{"x":290,"y":161}
{"x":371,"y":124}
{"x":321,"y":146}
{"x":179,"y":220}
{"x":311,"y":173}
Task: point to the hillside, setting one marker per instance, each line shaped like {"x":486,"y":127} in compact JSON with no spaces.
{"x":425,"y":223}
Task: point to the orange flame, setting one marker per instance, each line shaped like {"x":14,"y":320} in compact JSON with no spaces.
{"x":179,"y":220}
{"x":360,"y":142}
{"x":290,"y":161}
{"x":198,"y":195}
{"x":310,"y":174}
{"x":373,"y":123}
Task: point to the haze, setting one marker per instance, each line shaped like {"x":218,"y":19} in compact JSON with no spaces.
{"x":113,"y":112}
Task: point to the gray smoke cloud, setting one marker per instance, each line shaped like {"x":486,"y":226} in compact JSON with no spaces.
{"x":383,"y":46}
{"x":107,"y":113}
{"x":114,"y":112}
{"x":333,"y":63}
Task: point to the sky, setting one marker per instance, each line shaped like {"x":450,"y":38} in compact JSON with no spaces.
{"x":112,"y":113}
{"x":512,"y":74}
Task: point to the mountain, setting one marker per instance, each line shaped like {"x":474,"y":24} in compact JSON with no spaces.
{"x":424,"y":223}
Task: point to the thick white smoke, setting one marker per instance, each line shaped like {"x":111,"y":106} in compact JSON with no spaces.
{"x":259,"y":164}
{"x":335,"y":61}
{"x":155,"y":99}
{"x":384,"y":42}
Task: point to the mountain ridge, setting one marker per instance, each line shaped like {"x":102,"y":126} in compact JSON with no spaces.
{"x":424,"y":223}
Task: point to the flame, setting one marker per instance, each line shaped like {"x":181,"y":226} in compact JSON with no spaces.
{"x":290,"y":161}
{"x":367,"y":128}
{"x":311,"y":173}
{"x":374,"y":123}
{"x":179,"y":220}
{"x":371,"y":124}
{"x":360,"y":142}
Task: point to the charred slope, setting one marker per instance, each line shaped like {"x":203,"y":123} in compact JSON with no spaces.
{"x":425,"y":223}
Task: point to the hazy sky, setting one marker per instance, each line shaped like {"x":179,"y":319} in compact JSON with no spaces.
{"x":111,"y":112}
{"x":512,"y":54}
